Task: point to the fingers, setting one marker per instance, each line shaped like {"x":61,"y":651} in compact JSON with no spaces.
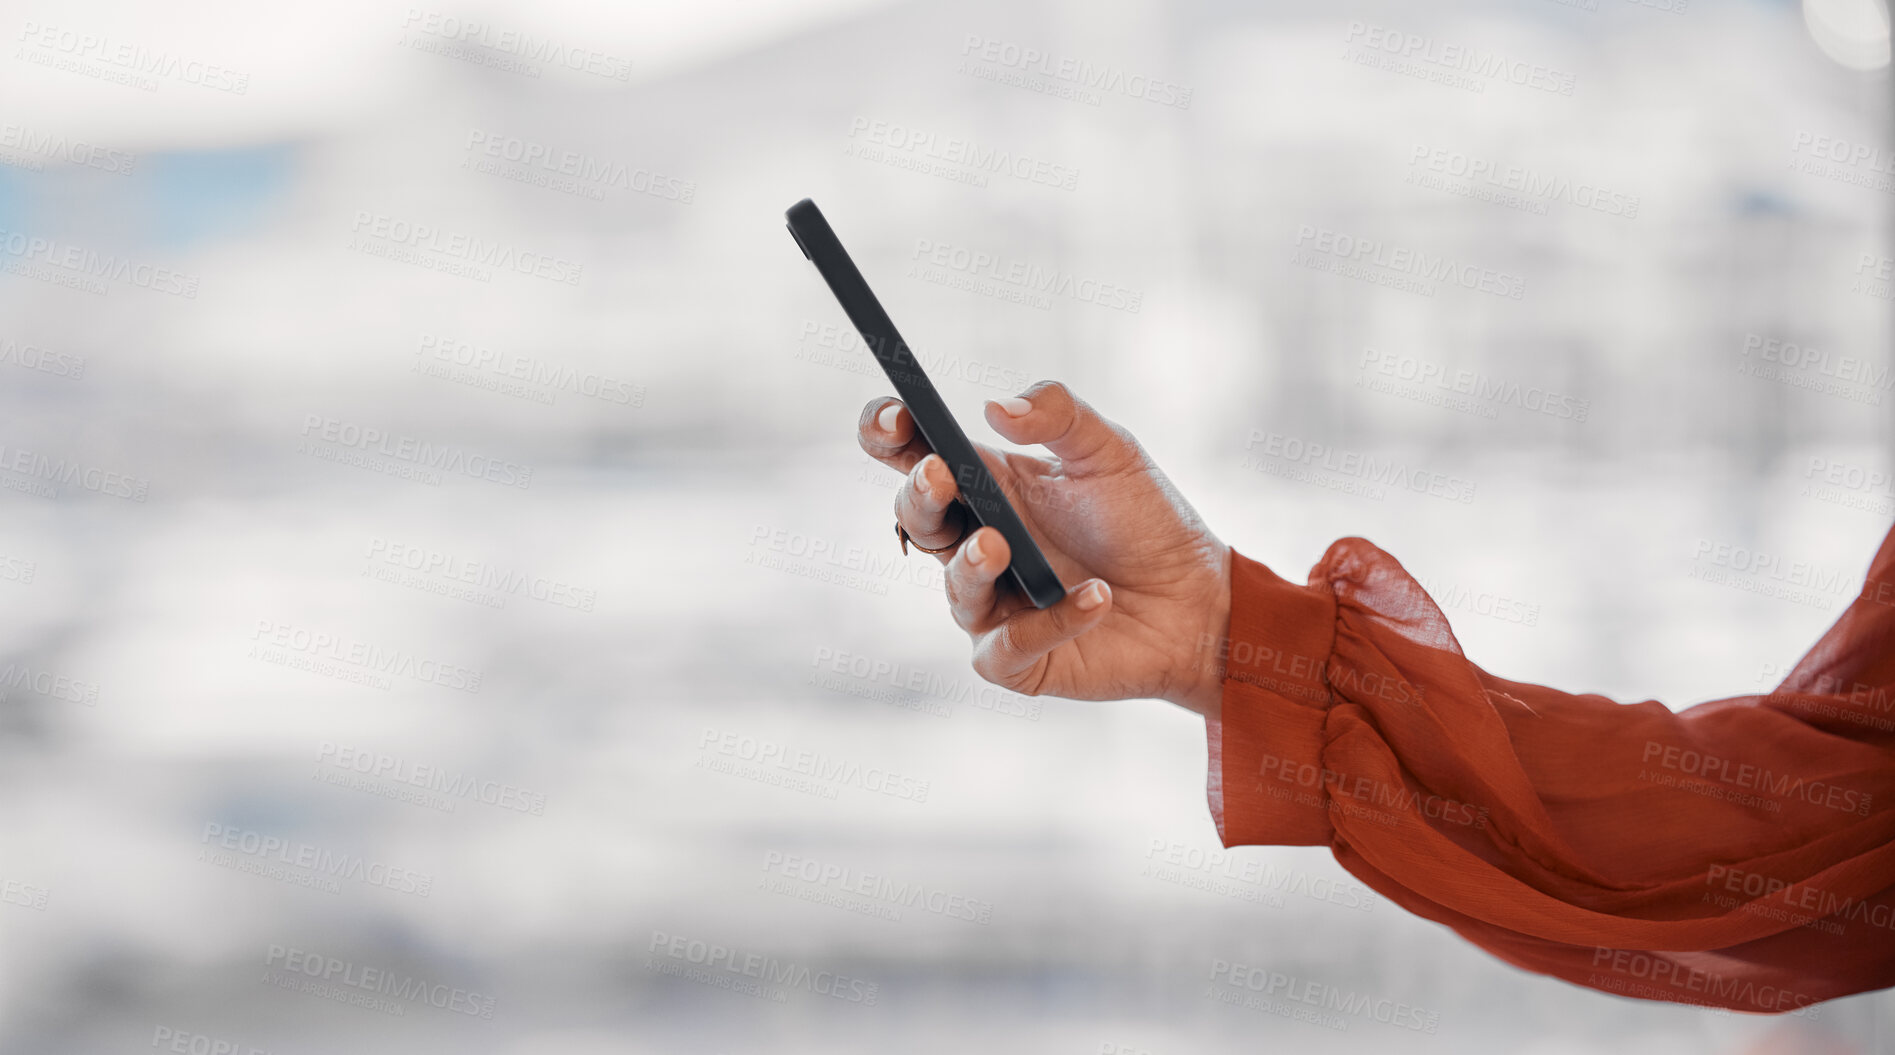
{"x":887,"y":433}
{"x":926,"y":508}
{"x":971,"y":575}
{"x":1011,"y":649}
{"x":1049,"y":414}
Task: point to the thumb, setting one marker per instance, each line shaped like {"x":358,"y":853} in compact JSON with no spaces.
{"x":1023,"y":639}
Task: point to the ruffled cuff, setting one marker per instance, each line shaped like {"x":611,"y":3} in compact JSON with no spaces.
{"x":1265,"y":783}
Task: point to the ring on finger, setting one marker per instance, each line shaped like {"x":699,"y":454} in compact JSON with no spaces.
{"x":906,"y":539}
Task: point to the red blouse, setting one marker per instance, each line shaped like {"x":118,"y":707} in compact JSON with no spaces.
{"x":1737,"y":854}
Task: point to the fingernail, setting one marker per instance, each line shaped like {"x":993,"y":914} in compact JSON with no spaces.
{"x":1014,"y":406}
{"x":974,"y":554}
{"x":1092,"y":596}
{"x":886,"y":419}
{"x":921,"y":476}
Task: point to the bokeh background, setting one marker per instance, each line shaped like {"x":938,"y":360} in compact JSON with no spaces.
{"x":579,"y":561}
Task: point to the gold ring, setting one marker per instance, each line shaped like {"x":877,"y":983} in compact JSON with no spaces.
{"x":902,"y":533}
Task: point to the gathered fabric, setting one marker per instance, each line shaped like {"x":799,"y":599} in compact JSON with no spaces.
{"x":1739,"y":853}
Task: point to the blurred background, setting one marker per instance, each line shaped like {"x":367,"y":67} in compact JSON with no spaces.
{"x":443,"y":607}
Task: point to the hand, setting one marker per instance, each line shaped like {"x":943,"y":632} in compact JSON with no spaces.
{"x":1103,"y":514}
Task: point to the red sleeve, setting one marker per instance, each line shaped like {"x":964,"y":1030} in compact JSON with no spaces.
{"x":1737,"y":854}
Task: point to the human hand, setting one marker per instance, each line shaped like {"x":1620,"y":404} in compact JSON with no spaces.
{"x":1151,"y":579}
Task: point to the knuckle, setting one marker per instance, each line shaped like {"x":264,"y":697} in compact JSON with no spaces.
{"x":989,"y":655}
{"x":955,"y":589}
{"x":1000,"y":643}
{"x":965,"y":619}
{"x":1053,"y":388}
{"x":1123,"y":439}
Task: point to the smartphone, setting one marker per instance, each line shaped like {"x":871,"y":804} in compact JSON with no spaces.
{"x":979,"y":493}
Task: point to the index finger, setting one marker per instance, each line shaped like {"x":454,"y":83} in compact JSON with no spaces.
{"x":887,"y":433}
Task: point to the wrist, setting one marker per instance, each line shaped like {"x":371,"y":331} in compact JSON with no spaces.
{"x":1197,"y":683}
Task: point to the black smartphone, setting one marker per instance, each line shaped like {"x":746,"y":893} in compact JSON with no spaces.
{"x":979,"y":493}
